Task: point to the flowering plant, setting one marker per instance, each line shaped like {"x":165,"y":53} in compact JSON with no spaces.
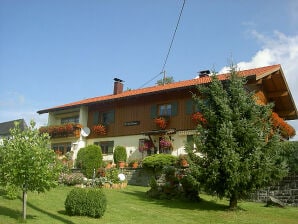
{"x":146,"y":146}
{"x":286,"y":130}
{"x":161,"y":122}
{"x":62,"y":130}
{"x":100,"y":129}
{"x":198,"y":118}
{"x":165,"y":143}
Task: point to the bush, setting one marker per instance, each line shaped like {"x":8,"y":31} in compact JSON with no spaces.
{"x":86,"y":202}
{"x":88,"y":159}
{"x":157,"y":162}
{"x":120,"y":154}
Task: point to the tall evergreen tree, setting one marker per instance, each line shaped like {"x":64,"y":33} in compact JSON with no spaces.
{"x":238,"y":151}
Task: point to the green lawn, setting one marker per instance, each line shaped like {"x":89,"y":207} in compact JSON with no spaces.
{"x":130,"y":205}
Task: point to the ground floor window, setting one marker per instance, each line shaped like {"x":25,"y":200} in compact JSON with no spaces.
{"x":106,"y":147}
{"x":61,"y":148}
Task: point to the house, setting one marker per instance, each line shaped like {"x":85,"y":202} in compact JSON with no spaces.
{"x":150,"y":120}
{"x":6,"y":126}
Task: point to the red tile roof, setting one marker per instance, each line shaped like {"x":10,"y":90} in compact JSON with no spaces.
{"x":258,"y":72}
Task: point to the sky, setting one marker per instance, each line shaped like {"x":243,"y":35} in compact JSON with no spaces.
{"x":54,"y":52}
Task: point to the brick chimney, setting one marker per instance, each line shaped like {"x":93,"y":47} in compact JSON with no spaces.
{"x":118,"y":86}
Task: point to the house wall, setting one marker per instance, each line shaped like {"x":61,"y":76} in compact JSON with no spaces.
{"x":140,"y":110}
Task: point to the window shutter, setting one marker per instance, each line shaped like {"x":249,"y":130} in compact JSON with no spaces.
{"x":153,"y":111}
{"x":111,"y":116}
{"x":174,"y":108}
{"x":189,"y":106}
{"x":95,"y":117}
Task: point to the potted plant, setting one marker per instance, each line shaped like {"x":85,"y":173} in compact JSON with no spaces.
{"x":134,"y":163}
{"x":120,"y":156}
{"x":198,"y":118}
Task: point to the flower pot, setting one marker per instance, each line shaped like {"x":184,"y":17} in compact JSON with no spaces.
{"x":121,"y":164}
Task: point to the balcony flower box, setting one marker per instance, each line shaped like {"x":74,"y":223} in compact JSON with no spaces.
{"x":198,"y":118}
{"x":161,"y":122}
{"x":286,"y":130}
{"x":63,"y":130}
{"x":99,"y":129}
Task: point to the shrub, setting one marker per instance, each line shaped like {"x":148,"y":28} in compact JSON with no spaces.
{"x":86,"y":202}
{"x":88,"y":159}
{"x":112,"y":175}
{"x":120,"y":154}
{"x":157,"y":162}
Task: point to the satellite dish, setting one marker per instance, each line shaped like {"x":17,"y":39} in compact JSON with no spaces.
{"x":85,"y":131}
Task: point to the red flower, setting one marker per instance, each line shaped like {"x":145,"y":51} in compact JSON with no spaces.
{"x":198,"y":118}
{"x":100,"y":129}
{"x":279,"y":123}
{"x":161,"y":122}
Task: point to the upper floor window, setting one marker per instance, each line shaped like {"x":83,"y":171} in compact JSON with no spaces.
{"x":67,"y":120}
{"x":165,"y":110}
{"x":104,"y":118}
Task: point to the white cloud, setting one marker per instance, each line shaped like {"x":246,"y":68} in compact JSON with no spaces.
{"x":14,"y":105}
{"x":279,"y":49}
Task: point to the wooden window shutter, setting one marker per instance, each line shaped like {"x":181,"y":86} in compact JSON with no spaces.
{"x":111,"y":116}
{"x":174,"y":108}
{"x":95,"y":117}
{"x":153,"y":111}
{"x":189,"y":106}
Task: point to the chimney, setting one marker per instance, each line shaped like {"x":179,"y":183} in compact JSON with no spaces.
{"x":118,"y":86}
{"x":204,"y":73}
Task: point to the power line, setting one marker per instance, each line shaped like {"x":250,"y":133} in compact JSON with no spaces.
{"x":170,"y":47}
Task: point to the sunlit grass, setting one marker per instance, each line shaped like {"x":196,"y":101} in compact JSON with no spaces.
{"x":131,"y":205}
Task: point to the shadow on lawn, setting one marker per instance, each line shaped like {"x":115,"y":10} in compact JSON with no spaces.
{"x":14,"y":214}
{"x":182,"y":204}
{"x":53,"y":216}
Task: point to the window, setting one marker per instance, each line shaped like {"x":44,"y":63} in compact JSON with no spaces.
{"x":61,"y":148}
{"x":104,"y":118}
{"x":67,"y":120}
{"x":106,"y":146}
{"x":169,"y":109}
{"x":165,"y":110}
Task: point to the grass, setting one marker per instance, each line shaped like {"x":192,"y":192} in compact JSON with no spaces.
{"x":131,"y":205}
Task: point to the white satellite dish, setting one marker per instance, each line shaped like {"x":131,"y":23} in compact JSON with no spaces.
{"x":85,"y":131}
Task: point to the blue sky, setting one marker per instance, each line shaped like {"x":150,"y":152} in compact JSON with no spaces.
{"x":54,"y":52}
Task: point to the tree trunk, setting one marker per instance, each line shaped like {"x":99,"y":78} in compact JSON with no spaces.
{"x":24,"y":204}
{"x":233,"y":202}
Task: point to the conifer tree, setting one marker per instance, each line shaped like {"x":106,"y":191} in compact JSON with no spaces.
{"x":238,"y":153}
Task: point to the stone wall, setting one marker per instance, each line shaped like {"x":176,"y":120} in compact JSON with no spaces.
{"x":137,"y":176}
{"x":286,"y":191}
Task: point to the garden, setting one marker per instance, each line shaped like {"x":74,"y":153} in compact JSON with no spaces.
{"x":131,"y":205}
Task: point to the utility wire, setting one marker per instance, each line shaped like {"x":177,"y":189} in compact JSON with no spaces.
{"x":170,"y":47}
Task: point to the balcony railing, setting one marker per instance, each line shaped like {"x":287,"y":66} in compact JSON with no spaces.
{"x":62,"y":131}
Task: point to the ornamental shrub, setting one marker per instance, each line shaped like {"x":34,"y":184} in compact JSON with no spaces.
{"x":86,"y":202}
{"x":120,"y":154}
{"x":157,"y":162}
{"x":88,"y":159}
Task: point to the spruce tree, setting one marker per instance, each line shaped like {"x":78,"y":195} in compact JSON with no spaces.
{"x":236,"y":150}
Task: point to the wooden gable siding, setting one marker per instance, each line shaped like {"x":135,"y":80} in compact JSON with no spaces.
{"x":138,"y":111}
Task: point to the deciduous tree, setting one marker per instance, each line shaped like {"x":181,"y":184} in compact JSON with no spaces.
{"x":27,"y":161}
